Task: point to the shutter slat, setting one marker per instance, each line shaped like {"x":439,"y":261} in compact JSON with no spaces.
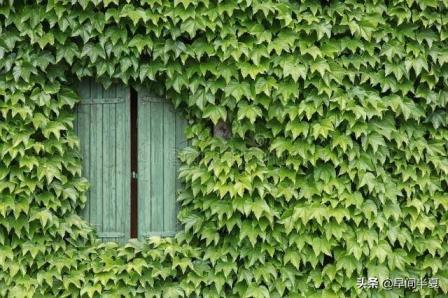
{"x":156,"y":167}
{"x":96,"y":151}
{"x":123,"y":170}
{"x":144,"y":166}
{"x":110,"y":235}
{"x":169,"y":166}
{"x":161,"y":234}
{"x":98,"y":101}
{"x":152,"y":98}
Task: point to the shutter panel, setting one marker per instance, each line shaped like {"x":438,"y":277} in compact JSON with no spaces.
{"x":160,"y":134}
{"x":103,"y":126}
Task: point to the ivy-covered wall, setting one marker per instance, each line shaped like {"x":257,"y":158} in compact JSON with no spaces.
{"x":336,"y":168}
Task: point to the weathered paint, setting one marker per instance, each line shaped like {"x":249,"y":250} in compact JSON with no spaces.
{"x":103,"y":126}
{"x":160,"y":135}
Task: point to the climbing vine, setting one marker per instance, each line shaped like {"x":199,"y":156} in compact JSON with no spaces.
{"x":335,"y":166}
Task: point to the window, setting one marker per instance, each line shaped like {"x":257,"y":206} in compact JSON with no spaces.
{"x":129,"y":142}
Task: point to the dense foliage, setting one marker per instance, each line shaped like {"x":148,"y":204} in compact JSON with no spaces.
{"x":337,"y":166}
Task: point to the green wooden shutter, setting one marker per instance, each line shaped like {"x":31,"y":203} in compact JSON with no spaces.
{"x":160,"y":135}
{"x":103,"y":126}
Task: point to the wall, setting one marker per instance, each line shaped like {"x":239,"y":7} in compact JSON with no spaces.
{"x":336,"y":168}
